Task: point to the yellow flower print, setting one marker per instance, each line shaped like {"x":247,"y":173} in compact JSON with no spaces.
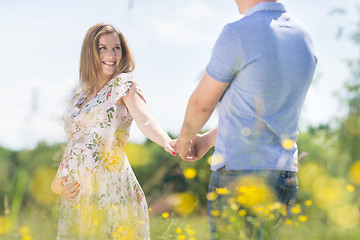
{"x":112,"y":160}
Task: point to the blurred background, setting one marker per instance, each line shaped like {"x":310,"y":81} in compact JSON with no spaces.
{"x":172,"y":43}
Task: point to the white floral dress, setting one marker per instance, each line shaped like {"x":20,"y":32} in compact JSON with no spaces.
{"x":111,"y":203}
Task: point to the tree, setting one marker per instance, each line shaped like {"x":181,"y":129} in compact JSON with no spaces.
{"x":349,"y":130}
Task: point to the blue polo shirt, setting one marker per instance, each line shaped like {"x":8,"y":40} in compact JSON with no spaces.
{"x":268,"y":58}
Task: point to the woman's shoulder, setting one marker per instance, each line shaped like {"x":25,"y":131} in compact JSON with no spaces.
{"x":76,"y":93}
{"x":124,"y":77}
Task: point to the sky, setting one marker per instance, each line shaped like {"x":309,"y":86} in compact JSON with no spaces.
{"x":171,"y":41}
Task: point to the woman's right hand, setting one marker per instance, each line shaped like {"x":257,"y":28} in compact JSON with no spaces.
{"x":68,"y":192}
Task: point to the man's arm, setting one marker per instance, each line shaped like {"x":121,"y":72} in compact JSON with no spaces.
{"x":199,"y":109}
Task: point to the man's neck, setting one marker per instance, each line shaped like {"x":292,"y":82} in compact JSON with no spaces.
{"x":245,"y":5}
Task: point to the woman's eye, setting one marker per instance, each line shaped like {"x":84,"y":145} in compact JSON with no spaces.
{"x":102,"y":48}
{"x":117,"y":48}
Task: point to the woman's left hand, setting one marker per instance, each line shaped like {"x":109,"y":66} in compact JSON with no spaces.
{"x":69,"y":191}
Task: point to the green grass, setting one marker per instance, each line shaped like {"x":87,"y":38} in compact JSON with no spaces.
{"x":41,"y":225}
{"x":175,"y":227}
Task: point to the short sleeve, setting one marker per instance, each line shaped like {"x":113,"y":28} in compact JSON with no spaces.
{"x":122,"y":85}
{"x":227,"y":56}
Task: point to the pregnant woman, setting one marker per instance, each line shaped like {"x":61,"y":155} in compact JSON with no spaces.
{"x":101,"y":197}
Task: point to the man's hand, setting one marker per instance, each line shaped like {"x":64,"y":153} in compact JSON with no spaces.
{"x":184,"y":149}
{"x":195,"y":149}
{"x":199,"y":147}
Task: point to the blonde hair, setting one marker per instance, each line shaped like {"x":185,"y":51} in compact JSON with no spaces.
{"x":90,"y":66}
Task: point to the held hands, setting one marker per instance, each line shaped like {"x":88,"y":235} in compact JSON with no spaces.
{"x":169,"y":147}
{"x":191,"y":150}
{"x":68,"y":192}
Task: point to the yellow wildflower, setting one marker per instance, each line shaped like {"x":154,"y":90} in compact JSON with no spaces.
{"x":242,"y":212}
{"x":211,"y":196}
{"x":303,"y":218}
{"x":350,"y":188}
{"x":234,"y":206}
{"x":253,"y":191}
{"x":5,"y":225}
{"x":288,"y":222}
{"x":24,"y":231}
{"x":181,"y":237}
{"x":296,"y":209}
{"x":215,"y":213}
{"x":354,"y":173}
{"x":222,"y":191}
{"x":190,"y":173}
{"x":184,"y":203}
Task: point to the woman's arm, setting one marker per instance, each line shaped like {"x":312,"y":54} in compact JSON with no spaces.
{"x":147,"y":124}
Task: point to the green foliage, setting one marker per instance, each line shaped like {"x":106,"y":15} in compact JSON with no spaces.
{"x":163,"y":174}
{"x":321,"y":145}
{"x":349,"y":130}
{"x":17,"y":167}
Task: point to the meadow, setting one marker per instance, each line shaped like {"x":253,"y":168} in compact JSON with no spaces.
{"x":327,"y":205}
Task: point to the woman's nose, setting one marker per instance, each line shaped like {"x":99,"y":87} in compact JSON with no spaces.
{"x":110,"y":53}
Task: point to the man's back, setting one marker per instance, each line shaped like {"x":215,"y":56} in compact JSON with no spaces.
{"x":268,"y":57}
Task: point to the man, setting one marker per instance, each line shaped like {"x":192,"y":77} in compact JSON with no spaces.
{"x":260,"y":70}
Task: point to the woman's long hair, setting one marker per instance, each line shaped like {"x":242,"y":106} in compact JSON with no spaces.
{"x":90,"y":66}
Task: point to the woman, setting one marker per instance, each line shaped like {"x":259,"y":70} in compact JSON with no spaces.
{"x":101,"y":197}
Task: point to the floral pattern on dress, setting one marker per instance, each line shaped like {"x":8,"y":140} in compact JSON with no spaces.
{"x":111,"y":203}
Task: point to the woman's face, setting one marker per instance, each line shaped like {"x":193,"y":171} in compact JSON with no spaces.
{"x":109,"y":53}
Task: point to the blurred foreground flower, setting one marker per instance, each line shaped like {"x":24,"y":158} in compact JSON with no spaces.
{"x":308,"y":172}
{"x":303,"y":218}
{"x":40,"y":185}
{"x":222,"y":191}
{"x":296,"y":209}
{"x":253,"y":191}
{"x":288,"y":144}
{"x":25,"y":233}
{"x":90,"y":217}
{"x":216,"y":159}
{"x":138,"y":154}
{"x":124,"y":233}
{"x":190,"y":173}
{"x":5,"y":225}
{"x":354,"y":173}
{"x":184,"y":203}
{"x":211,"y":196}
{"x":346,"y":216}
{"x":330,"y":193}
